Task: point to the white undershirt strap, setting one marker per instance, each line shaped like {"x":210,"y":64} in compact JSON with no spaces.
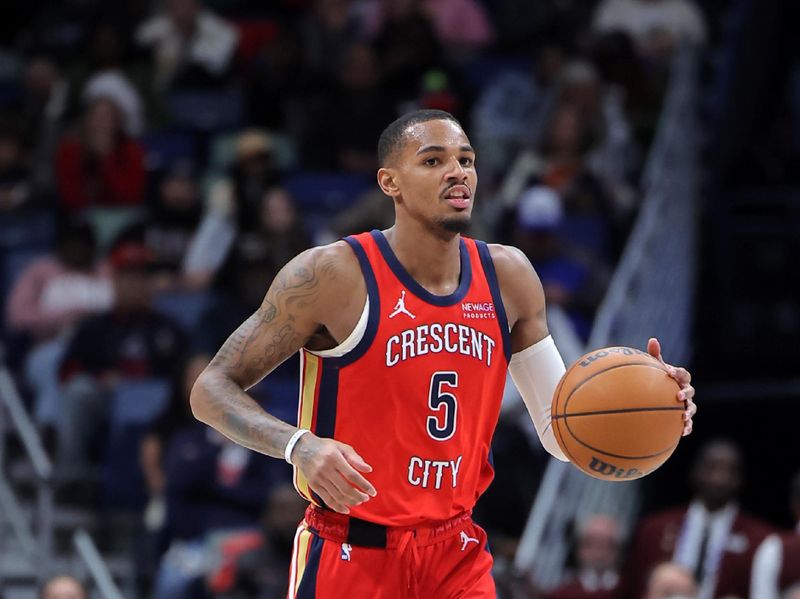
{"x":352,"y":339}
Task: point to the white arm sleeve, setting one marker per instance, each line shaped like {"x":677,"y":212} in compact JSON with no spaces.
{"x":536,"y":371}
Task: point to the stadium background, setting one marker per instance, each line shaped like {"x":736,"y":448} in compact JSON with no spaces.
{"x":199,"y":167}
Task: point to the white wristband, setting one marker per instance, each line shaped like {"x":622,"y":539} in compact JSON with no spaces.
{"x":287,"y":453}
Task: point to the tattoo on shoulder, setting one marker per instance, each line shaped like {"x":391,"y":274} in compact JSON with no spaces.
{"x":273,"y":326}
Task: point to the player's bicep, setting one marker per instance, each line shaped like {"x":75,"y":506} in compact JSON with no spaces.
{"x":281,"y":326}
{"x":523,"y":297}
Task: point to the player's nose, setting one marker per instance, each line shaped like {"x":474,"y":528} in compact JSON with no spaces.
{"x":455,"y":170}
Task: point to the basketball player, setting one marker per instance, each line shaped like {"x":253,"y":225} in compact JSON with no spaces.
{"x":405,"y":337}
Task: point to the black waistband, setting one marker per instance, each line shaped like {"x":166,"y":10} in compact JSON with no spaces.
{"x":366,"y":534}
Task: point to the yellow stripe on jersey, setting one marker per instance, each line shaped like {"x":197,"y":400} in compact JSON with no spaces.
{"x":300,"y":559}
{"x":309,"y":365}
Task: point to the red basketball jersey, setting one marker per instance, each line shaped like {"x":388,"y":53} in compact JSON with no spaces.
{"x":419,"y":395}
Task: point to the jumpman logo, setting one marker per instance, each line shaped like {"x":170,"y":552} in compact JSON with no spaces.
{"x":400,"y":306}
{"x":466,"y":540}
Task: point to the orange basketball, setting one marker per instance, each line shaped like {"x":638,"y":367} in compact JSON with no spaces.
{"x":616,"y":414}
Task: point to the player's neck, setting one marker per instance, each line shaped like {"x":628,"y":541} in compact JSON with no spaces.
{"x":433,"y":261}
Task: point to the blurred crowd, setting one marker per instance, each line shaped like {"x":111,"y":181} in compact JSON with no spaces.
{"x":160,"y":162}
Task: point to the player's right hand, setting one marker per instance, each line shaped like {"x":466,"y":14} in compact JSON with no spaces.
{"x":333,"y":470}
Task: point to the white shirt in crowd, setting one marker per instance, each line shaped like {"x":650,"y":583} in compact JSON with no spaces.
{"x":767,"y":564}
{"x":690,"y":540}
{"x":640,"y":18}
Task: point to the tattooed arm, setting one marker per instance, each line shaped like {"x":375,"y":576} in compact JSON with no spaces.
{"x":322,"y":287}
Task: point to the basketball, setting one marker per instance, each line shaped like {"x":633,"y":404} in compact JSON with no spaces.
{"x":616,"y":414}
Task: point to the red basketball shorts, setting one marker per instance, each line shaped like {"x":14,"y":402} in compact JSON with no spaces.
{"x":337,"y":557}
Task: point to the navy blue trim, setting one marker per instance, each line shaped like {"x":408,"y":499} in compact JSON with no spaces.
{"x":308,"y":584}
{"x":494,"y":286}
{"x":327,"y":395}
{"x":374,"y":308}
{"x":317,"y":499}
{"x":406,"y":279}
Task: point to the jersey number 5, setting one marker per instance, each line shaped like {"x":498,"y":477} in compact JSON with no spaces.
{"x":442,"y":426}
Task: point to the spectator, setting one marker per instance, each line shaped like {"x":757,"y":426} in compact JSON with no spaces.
{"x":45,"y":105}
{"x":192,"y":46}
{"x":100,"y":166}
{"x":63,"y":586}
{"x":657,"y":26}
{"x":460,"y":25}
{"x":130,"y":342}
{"x":47,"y":302}
{"x":108,"y":72}
{"x":407,"y":45}
{"x":278,"y":83}
{"x":353,"y":116}
{"x":56,"y":291}
{"x":669,"y":580}
{"x":170,"y":225}
{"x":776,"y":565}
{"x":573,"y":280}
{"x":504,"y":117}
{"x":214,"y":489}
{"x":562,"y":162}
{"x":16,"y":193}
{"x":151,"y":450}
{"x":329,"y":29}
{"x":597,"y":557}
{"x":792,"y":593}
{"x":234,"y":205}
{"x":711,"y":537}
{"x":263,"y":572}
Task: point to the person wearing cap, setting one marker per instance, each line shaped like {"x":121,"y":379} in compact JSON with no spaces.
{"x":100,"y":165}
{"x":171,"y":224}
{"x":570,"y":279}
{"x":129,"y":342}
{"x":233,"y":205}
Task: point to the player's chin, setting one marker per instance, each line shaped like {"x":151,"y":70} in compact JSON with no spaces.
{"x":456,"y":223}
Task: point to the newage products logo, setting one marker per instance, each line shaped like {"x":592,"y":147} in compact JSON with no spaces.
{"x":478,"y":310}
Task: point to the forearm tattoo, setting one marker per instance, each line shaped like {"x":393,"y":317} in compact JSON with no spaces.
{"x":261,"y":343}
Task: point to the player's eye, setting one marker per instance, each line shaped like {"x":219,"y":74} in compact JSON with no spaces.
{"x":431,"y":162}
{"x":466,"y":161}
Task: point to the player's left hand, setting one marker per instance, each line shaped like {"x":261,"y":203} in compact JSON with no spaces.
{"x":684,"y":379}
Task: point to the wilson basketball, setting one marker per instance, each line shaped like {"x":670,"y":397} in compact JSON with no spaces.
{"x":616,"y":414}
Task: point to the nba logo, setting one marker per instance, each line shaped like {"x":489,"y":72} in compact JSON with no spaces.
{"x":346,"y":549}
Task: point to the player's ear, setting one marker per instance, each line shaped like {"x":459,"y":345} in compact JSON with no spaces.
{"x":387,"y":181}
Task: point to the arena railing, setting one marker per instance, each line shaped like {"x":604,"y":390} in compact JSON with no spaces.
{"x":650,"y":294}
{"x":38,"y":546}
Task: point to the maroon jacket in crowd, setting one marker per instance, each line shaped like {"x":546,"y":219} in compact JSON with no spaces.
{"x":655,"y":539}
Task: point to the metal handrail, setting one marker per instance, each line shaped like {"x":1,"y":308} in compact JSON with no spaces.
{"x":95,"y":565}
{"x":25,"y":427}
{"x":41,"y":464}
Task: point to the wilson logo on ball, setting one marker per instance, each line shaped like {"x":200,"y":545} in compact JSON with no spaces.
{"x":626,"y":351}
{"x":606,"y":469}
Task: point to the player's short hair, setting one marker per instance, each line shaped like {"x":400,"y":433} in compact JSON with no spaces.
{"x":392,"y":137}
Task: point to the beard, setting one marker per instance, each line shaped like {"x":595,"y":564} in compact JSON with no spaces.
{"x":455,"y":224}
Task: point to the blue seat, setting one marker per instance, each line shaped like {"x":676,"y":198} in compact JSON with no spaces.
{"x":589,"y":232}
{"x":135,"y":406}
{"x":135,"y":402}
{"x":326,"y":193}
{"x":164,"y":148}
{"x":185,"y":308}
{"x":206,"y":111}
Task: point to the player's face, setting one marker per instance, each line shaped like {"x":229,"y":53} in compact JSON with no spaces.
{"x":435,"y":177}
{"x":718,"y":475}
